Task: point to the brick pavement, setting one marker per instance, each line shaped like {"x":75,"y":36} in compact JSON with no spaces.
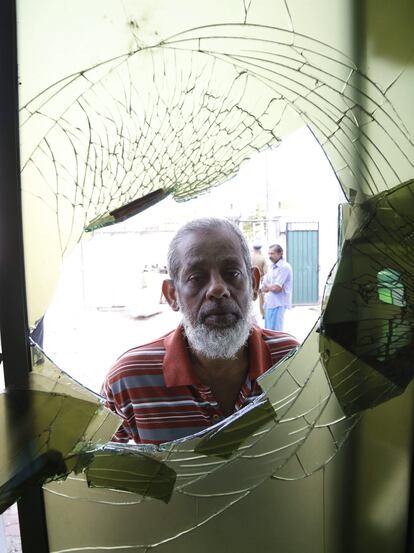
{"x":10,"y":531}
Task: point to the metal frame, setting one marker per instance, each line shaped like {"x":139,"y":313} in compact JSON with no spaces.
{"x":13,"y":314}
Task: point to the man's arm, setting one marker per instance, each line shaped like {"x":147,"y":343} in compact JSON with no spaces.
{"x":273,"y":288}
{"x":121,"y":435}
{"x":268,"y":287}
{"x":265,"y":283}
{"x":283,"y":275}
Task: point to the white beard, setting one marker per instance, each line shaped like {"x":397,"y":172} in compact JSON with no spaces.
{"x":218,"y":343}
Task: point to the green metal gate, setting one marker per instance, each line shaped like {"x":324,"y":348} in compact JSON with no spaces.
{"x":302,"y":245}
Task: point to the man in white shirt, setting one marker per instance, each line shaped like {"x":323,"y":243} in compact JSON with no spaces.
{"x":277,"y":284}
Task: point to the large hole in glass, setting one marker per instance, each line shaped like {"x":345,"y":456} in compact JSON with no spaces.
{"x":109,"y":298}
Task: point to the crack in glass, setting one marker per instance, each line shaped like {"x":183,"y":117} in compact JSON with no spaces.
{"x":57,"y":424}
{"x":175,"y":114}
{"x":368,"y":320}
{"x":102,"y":140}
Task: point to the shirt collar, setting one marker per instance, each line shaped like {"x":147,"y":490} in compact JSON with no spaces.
{"x":177,"y":366}
{"x":177,"y":363}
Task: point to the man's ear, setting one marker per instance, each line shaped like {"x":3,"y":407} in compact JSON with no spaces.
{"x":255,"y":281}
{"x":170,"y":294}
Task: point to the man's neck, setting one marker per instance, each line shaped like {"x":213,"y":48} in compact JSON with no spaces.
{"x":224,"y":377}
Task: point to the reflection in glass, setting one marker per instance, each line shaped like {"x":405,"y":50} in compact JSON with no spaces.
{"x":390,"y":287}
{"x":369,"y":317}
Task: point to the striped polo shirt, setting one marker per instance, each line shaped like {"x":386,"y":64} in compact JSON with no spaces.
{"x":154,"y":388}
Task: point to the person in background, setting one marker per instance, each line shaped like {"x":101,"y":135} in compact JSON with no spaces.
{"x":258,"y":260}
{"x":277,"y":285}
{"x":207,"y":368}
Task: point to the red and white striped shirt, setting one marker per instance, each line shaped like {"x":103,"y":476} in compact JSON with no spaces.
{"x":154,"y":388}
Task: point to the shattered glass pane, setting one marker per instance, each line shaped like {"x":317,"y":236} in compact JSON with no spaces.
{"x":123,"y":104}
{"x":48,"y":430}
{"x":369,"y":320}
{"x":94,"y":141}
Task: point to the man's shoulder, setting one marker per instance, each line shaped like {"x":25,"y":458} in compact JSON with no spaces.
{"x":276,"y":339}
{"x":144,"y":352}
{"x":286,"y":264}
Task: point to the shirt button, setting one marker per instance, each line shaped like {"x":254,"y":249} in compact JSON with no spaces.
{"x":216,"y":417}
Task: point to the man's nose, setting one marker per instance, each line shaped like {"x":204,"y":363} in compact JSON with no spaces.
{"x":217,"y":287}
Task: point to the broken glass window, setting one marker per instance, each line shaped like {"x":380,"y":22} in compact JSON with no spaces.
{"x":93,"y":139}
{"x":123,"y":104}
{"x":49,"y":429}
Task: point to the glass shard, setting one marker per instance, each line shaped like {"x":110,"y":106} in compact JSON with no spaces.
{"x":48,"y":429}
{"x":367,"y":327}
{"x":132,"y":472}
{"x":231,"y":436}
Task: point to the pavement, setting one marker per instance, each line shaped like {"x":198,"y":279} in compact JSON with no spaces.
{"x":9,"y":531}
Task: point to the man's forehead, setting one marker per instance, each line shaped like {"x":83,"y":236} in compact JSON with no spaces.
{"x":210,"y":238}
{"x":197,"y":246}
{"x":192,"y":258}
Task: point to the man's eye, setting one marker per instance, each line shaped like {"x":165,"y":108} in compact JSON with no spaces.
{"x":234,"y":274}
{"x":195,"y":277}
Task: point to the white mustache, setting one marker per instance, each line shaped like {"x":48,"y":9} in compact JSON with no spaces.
{"x":218,"y":343}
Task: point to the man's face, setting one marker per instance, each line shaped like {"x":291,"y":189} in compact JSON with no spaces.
{"x":213,"y":285}
{"x":274,"y":256}
{"x":214,"y":293}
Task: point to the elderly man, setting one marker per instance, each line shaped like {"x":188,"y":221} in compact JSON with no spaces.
{"x":207,"y":368}
{"x":277,"y":285}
